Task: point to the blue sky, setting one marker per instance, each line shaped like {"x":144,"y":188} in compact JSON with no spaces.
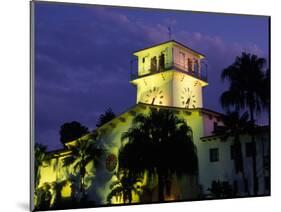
{"x":83,"y":53}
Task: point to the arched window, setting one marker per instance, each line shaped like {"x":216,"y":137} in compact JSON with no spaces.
{"x":196,"y":67}
{"x":161,"y":62}
{"x":189,"y":65}
{"x":182,"y":59}
{"x":153,"y":64}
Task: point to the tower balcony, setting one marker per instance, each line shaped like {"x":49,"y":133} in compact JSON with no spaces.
{"x":199,"y":73}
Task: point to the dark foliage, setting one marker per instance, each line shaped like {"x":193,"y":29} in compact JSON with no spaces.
{"x":221,"y":190}
{"x":124,"y":186}
{"x":248,"y":89}
{"x":72,"y":131}
{"x":57,"y":188}
{"x":82,"y":153}
{"x":161,"y":144}
{"x":246,"y":76}
{"x":44,"y":197}
{"x":106,"y":117}
{"x":233,"y":127}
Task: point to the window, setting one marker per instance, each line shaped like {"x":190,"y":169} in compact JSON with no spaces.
{"x":215,"y":126}
{"x":214,"y":154}
{"x":161,"y":62}
{"x":189,"y":64}
{"x":153,"y":64}
{"x":182,"y":58}
{"x":196,"y":67}
{"x":249,"y":149}
{"x":143,"y":60}
{"x":232,"y":152}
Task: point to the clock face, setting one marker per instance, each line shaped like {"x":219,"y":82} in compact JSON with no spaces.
{"x":188,"y":98}
{"x":154,"y":96}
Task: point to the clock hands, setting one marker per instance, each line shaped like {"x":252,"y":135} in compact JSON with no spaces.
{"x":155,"y":96}
{"x":187,"y":102}
{"x":153,"y":101}
{"x":188,"y":98}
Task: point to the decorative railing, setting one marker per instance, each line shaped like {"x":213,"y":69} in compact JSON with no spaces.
{"x":200,"y":74}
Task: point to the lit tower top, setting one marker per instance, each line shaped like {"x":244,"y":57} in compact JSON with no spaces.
{"x":170,"y":74}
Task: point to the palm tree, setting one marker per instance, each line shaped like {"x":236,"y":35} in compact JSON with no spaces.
{"x":265,"y":90}
{"x":106,"y":117}
{"x":246,"y":77}
{"x":57,"y":188}
{"x":161,"y":145}
{"x":234,"y":126}
{"x":221,"y":190}
{"x":44,"y":196}
{"x":124,"y":187}
{"x":82,"y":153}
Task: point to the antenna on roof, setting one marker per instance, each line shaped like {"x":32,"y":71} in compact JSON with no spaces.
{"x":170,"y":32}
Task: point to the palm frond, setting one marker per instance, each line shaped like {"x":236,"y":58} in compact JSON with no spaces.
{"x":116,"y":192}
{"x":150,"y":141}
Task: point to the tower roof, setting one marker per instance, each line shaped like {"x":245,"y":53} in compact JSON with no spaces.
{"x":170,"y":41}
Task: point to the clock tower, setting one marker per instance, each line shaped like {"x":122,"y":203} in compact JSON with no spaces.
{"x":170,"y":74}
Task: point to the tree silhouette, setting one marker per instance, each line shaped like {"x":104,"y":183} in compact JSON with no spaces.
{"x":124,"y":187}
{"x":221,"y":190}
{"x":161,"y":145}
{"x":234,"y":126}
{"x":106,"y":117}
{"x":82,"y":153}
{"x":44,"y":196}
{"x":72,"y":131}
{"x":246,"y":77}
{"x":264,"y":90}
{"x":57,"y":188}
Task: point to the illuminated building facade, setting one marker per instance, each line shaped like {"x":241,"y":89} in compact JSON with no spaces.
{"x":169,"y":76}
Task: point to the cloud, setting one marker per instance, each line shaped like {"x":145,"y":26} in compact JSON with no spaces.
{"x":219,"y":55}
{"x":83,"y":58}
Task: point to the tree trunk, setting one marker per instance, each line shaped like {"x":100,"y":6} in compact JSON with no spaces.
{"x":82,"y":190}
{"x":254,"y":154}
{"x":239,"y":162}
{"x":238,"y":157}
{"x":246,"y":184}
{"x":160,"y":186}
{"x":37,"y":178}
{"x":82,"y":185}
{"x":130,"y":198}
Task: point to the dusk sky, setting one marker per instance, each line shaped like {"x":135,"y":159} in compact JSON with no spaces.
{"x":83,"y":53}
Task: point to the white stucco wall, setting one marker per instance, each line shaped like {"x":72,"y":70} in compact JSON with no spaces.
{"x":222,"y":170}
